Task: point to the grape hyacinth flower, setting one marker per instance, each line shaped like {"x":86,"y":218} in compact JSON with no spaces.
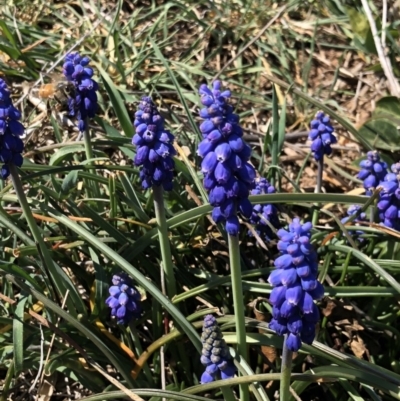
{"x":215,"y":354}
{"x":82,"y":101}
{"x":228,"y":176}
{"x":351,"y":211}
{"x":373,"y":171}
{"x":321,"y":135}
{"x":264,"y":213}
{"x":155,"y":149}
{"x":124,"y":299}
{"x":295,"y":286}
{"x":389,"y":199}
{"x":11,"y":145}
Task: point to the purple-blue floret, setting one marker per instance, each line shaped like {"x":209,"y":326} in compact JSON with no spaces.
{"x":215,"y":354}
{"x":389,"y":199}
{"x":82,"y":103}
{"x":124,"y":299}
{"x":228,"y":176}
{"x":11,"y":145}
{"x":154,"y":147}
{"x":265,"y":213}
{"x":373,"y":171}
{"x":295,"y":286}
{"x":321,"y":135}
{"x":361,"y":216}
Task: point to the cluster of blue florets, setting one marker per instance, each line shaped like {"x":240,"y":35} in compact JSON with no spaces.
{"x":228,"y":176}
{"x":321,"y":135}
{"x":266,"y":214}
{"x":215,"y":354}
{"x":82,"y":103}
{"x":295,"y":286}
{"x":389,"y":199}
{"x":155,"y":149}
{"x":124,"y":299}
{"x":373,"y":171}
{"x":11,"y":145}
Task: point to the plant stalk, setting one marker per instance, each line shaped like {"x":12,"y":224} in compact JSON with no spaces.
{"x":286,"y":370}
{"x":139,"y":351}
{"x":237,"y":291}
{"x":162,"y":228}
{"x":89,"y":155}
{"x":42,"y":248}
{"x":227,"y":392}
{"x":88,"y":143}
{"x":371,"y":214}
{"x":318,"y":189}
{"x":7,"y":381}
{"x":320,"y":172}
{"x":275,"y":136}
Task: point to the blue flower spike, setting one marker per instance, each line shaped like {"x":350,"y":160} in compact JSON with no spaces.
{"x":11,"y":145}
{"x":82,"y":103}
{"x":389,"y":199}
{"x":228,"y":175}
{"x":215,"y":354}
{"x":373,"y":171}
{"x":262,"y":214}
{"x":321,"y":135}
{"x":362,"y":216}
{"x":124,"y":299}
{"x":352,"y":210}
{"x":295,"y":286}
{"x":154,"y":147}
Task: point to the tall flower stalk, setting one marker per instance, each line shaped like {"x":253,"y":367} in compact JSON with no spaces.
{"x":360,"y":217}
{"x":124,"y":299}
{"x":215,"y":354}
{"x":11,"y":148}
{"x":228,"y":178}
{"x":373,"y":172}
{"x":286,"y":371}
{"x":154,"y":156}
{"x":321,"y":135}
{"x":295,"y":287}
{"x":11,"y":145}
{"x":389,"y":199}
{"x":264,"y":217}
{"x":82,"y":100}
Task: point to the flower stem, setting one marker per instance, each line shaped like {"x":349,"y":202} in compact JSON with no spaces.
{"x":275,"y":136}
{"x":318,"y":189}
{"x":372,"y":213}
{"x":167,"y":265}
{"x":228,"y":394}
{"x":89,"y":155}
{"x":37,"y":235}
{"x":87,"y":142}
{"x":7,"y":382}
{"x":237,"y":290}
{"x":319,"y":176}
{"x":286,"y":370}
{"x":139,"y":351}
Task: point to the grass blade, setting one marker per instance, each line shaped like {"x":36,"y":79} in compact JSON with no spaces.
{"x":18,"y":335}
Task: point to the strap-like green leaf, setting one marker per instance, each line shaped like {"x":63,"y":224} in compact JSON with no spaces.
{"x":18,"y":335}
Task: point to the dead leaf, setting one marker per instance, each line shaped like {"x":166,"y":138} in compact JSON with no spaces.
{"x":46,"y":390}
{"x":358,"y":347}
{"x":330,"y":306}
